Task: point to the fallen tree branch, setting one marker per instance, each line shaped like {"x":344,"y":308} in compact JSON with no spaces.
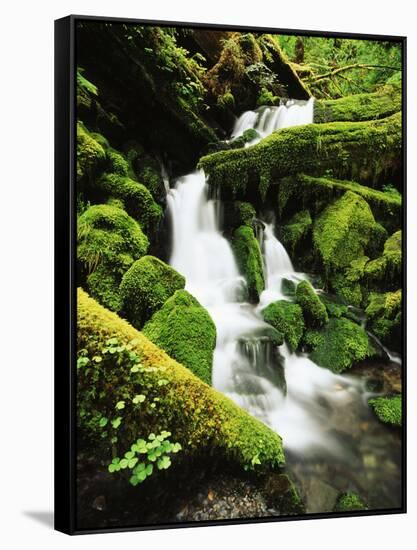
{"x":335,"y":72}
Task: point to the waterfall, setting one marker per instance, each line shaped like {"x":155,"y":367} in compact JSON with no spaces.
{"x":266,"y":120}
{"x":318,"y":413}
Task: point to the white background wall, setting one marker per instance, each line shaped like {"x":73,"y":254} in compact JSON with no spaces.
{"x":26,"y":218}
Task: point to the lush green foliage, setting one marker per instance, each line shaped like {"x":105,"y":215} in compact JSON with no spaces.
{"x":314,"y":310}
{"x":200,"y":418}
{"x":146,"y":286}
{"x":287,"y":318}
{"x":388,"y":409}
{"x":109,"y":241}
{"x":90,"y":154}
{"x":339,"y":345}
{"x":249,"y":259}
{"x":349,"y":502}
{"x":184,"y":329}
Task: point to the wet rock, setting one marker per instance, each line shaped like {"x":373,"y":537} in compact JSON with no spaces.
{"x":282,"y":494}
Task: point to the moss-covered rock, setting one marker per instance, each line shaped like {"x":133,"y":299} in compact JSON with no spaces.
{"x":315,"y":193}
{"x":367,"y":152}
{"x":200,"y":418}
{"x":117,"y":163}
{"x":109,"y":241}
{"x":146,"y":169}
{"x":283,"y":495}
{"x":146,"y":286}
{"x":339,"y":345}
{"x":386,"y":270}
{"x":384,"y":317}
{"x":287,"y":318}
{"x":185,"y":330}
{"x":249,"y":259}
{"x":388,"y":409}
{"x":136,"y":197}
{"x":342,"y":231}
{"x":349,"y":502}
{"x":371,"y":106}
{"x":90,"y":154}
{"x":314,"y":311}
{"x":295,"y":230}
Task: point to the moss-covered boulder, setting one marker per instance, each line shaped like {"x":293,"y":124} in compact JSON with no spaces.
{"x":109,"y":241}
{"x":349,"y":502}
{"x":339,"y":345}
{"x":388,"y":409}
{"x":371,"y":106}
{"x":315,"y":193}
{"x":296,"y":230}
{"x":200,"y":418}
{"x":146,"y":169}
{"x":136,"y":197}
{"x":367,"y":152}
{"x":249,"y":259}
{"x":287,"y":318}
{"x":386,"y":270}
{"x":342,"y":231}
{"x":146,"y":286}
{"x":90,"y":154}
{"x":384,"y":317}
{"x":314,"y":311}
{"x":185,"y":330}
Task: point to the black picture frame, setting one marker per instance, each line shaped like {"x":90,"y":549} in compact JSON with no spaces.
{"x":65,"y":272}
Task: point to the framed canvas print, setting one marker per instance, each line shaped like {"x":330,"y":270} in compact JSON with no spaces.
{"x":230,"y":279}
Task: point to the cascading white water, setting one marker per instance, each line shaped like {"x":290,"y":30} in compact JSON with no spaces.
{"x":266,"y":120}
{"x":316,"y":412}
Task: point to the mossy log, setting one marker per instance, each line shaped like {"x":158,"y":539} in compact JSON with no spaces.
{"x":202,"y":419}
{"x":367,"y":152}
{"x":372,"y":106}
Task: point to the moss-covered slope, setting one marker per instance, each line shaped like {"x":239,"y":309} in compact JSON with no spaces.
{"x":249,"y":259}
{"x":200,"y":418}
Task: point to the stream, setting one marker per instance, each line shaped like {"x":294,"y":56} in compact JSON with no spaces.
{"x":332,"y":440}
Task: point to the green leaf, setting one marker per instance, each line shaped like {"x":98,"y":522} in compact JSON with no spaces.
{"x":82,"y":362}
{"x":151,"y":436}
{"x":123,"y":463}
{"x":132,"y":463}
{"x":134,"y":481}
{"x":164,"y":463}
{"x":138,"y":399}
{"x":116,"y":423}
{"x":120,"y":405}
{"x":135,"y":368}
{"x":129,"y":455}
{"x":111,"y":468}
{"x":103,"y":422}
{"x":97,"y":359}
{"x":142,"y":476}
{"x":112,"y":341}
{"x":149,"y":469}
{"x":163,"y":382}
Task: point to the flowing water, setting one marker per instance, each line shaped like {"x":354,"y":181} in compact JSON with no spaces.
{"x":332,"y":440}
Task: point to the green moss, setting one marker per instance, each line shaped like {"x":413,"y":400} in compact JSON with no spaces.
{"x":361,"y":151}
{"x":287,"y":318}
{"x":315,"y":193}
{"x":245,"y":213}
{"x":288,"y":287}
{"x":342,"y":231}
{"x":388,"y":409}
{"x":384,"y":317}
{"x":249,"y":259}
{"x":380,"y":104}
{"x":295,"y":230}
{"x":184,"y":329}
{"x":146,"y":286}
{"x":90,"y":154}
{"x":314,"y":311}
{"x":387,"y":268}
{"x":138,"y":200}
{"x":334,"y":307}
{"x":109,"y":241}
{"x":145,"y":169}
{"x":200,"y":418}
{"x":339,"y":345}
{"x":349,"y":502}
{"x":117,"y":163}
